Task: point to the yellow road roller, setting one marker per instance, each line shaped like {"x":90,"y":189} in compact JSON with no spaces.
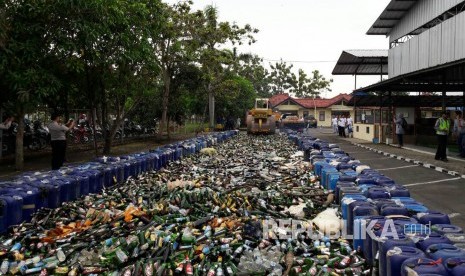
{"x":261,"y":120}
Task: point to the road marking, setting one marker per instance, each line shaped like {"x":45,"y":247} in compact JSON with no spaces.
{"x":432,"y":182}
{"x":387,"y":169}
{"x":374,"y":159}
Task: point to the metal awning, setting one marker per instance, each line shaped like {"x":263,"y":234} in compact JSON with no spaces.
{"x":362,"y":62}
{"x":448,"y":77}
{"x":392,"y":14}
{"x":405,"y":101}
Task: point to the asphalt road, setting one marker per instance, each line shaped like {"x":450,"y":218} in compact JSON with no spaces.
{"x":436,"y":190}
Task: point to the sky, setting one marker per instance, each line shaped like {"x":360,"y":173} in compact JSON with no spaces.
{"x":310,"y":34}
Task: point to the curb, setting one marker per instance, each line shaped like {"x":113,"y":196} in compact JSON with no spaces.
{"x":416,"y":162}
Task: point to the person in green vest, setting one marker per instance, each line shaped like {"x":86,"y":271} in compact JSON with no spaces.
{"x":442,"y":128}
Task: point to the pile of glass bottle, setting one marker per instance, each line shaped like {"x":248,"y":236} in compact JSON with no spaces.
{"x":202,"y":215}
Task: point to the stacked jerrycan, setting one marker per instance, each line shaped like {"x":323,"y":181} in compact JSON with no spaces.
{"x":397,"y":234}
{"x":30,"y":191}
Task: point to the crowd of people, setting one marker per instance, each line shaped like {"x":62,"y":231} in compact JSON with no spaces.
{"x":343,"y":125}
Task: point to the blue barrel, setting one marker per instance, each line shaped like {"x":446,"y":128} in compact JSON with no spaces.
{"x":434,"y":217}
{"x":370,"y":171}
{"x":150,"y":160}
{"x":347,"y":200}
{"x":425,"y":240}
{"x":126,"y":170}
{"x":455,"y":266}
{"x":346,"y":191}
{"x":423,"y":266}
{"x":143,"y":162}
{"x":415,"y":208}
{"x":30,"y":196}
{"x":444,"y":229}
{"x":343,"y":166}
{"x":49,"y":193}
{"x":377,"y":192}
{"x":74,"y":187}
{"x":370,"y":222}
{"x":332,"y":179}
{"x":399,"y":191}
{"x":339,"y":185}
{"x":380,"y":203}
{"x":93,"y":178}
{"x":324,"y":173}
{"x":444,"y":251}
{"x":404,"y":200}
{"x":397,"y":255}
{"x":346,"y":177}
{"x":402,"y":220}
{"x":65,"y":188}
{"x":11,"y":211}
{"x":394,"y":210}
{"x":384,"y":180}
{"x":361,"y":180}
{"x":83,"y":181}
{"x":318,"y":166}
{"x":360,"y":213}
{"x":387,"y":245}
{"x":119,"y":170}
{"x":350,"y":213}
{"x":386,"y":228}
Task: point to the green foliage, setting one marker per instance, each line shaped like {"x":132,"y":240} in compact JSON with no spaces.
{"x":281,"y":77}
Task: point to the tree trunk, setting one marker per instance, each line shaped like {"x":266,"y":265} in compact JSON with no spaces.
{"x":211,"y":109}
{"x":165,"y":100}
{"x":19,"y":153}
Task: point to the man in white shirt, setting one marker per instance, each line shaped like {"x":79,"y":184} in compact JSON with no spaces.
{"x":58,"y":140}
{"x":334,"y":124}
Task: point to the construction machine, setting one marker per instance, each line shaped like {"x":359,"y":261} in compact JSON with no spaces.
{"x":261,"y":119}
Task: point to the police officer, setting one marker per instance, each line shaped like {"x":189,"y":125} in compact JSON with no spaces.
{"x":442,"y":128}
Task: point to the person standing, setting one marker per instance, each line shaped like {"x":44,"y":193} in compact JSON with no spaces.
{"x":442,"y":128}
{"x":58,"y":139}
{"x":400,"y":128}
{"x":459,"y":132}
{"x":350,"y":126}
{"x":334,"y":124}
{"x":341,"y":124}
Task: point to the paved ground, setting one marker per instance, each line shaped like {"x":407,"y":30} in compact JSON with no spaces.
{"x":438,"y":185}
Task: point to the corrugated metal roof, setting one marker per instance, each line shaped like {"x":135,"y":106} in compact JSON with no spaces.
{"x":405,"y":101}
{"x":362,"y":62}
{"x":392,"y":14}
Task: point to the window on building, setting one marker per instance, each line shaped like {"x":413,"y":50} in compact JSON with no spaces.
{"x":357,"y":129}
{"x":322,"y":116}
{"x":368,"y":130}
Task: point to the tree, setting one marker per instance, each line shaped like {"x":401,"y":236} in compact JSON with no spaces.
{"x":173,"y":46}
{"x":210,"y":36}
{"x":281,"y":77}
{"x":250,"y":67}
{"x":24,"y":76}
{"x":105,"y":50}
{"x":310,"y":87}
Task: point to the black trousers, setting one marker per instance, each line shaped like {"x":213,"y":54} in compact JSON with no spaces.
{"x":442,"y":146}
{"x":58,"y":153}
{"x":400,"y":139}
{"x":342,"y":131}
